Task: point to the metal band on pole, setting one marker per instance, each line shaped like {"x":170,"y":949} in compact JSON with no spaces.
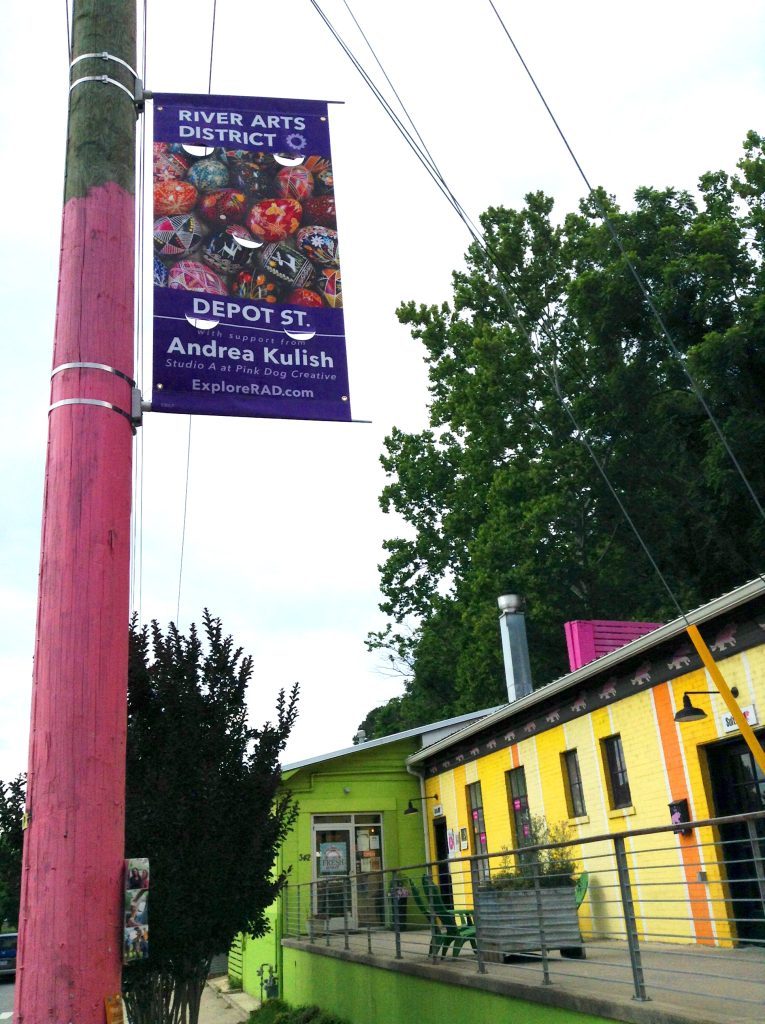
{"x":105,"y":79}
{"x":91,"y":401}
{"x":93,"y":366}
{"x":104,"y":56}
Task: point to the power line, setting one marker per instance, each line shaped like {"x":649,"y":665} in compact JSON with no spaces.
{"x":504,"y":286}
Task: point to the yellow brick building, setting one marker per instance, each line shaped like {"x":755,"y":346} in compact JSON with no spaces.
{"x":600,"y":750}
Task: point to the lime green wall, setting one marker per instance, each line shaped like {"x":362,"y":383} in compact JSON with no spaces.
{"x":369,"y":995}
{"x":376,"y":781}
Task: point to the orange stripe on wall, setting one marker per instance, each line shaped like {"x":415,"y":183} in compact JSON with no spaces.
{"x":514,"y":755}
{"x":678,"y":787}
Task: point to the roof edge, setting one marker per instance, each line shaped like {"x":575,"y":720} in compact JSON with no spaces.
{"x":720,"y":605}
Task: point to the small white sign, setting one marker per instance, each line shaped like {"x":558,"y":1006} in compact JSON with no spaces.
{"x":728,"y":722}
{"x":438,"y":811}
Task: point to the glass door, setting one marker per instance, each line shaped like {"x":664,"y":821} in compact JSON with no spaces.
{"x":332,"y":900}
{"x":370,"y":889}
{"x":348,"y":864}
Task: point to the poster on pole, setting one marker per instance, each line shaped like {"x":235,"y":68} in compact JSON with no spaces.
{"x":248,"y":306}
{"x":136,"y":910}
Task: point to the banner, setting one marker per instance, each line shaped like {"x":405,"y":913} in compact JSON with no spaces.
{"x":248,"y":317}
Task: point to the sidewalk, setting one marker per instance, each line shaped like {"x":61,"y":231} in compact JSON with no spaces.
{"x":220,"y":1005}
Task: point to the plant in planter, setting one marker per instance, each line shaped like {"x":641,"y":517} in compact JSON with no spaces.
{"x":532,"y":903}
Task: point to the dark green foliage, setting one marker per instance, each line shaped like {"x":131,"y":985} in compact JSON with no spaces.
{"x":277,"y":1012}
{"x":202,"y":804}
{"x":12,"y":798}
{"x":500,"y":495}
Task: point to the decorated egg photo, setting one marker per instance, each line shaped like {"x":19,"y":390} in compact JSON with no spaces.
{"x":208,"y":175}
{"x":191,"y":276}
{"x":168,"y":166}
{"x":320,"y":210}
{"x":274,"y":219}
{"x":252,"y":179}
{"x":286,"y":264}
{"x":295,"y":181}
{"x":226,"y":206}
{"x":174,"y":196}
{"x":329,"y":286}
{"x":303,"y":297}
{"x":257,"y":286}
{"x":228,"y":251}
{"x":160,"y":273}
{"x":179,"y":235}
{"x":318,"y":243}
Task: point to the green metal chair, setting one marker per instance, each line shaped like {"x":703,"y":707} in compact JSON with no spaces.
{"x":581,"y":888}
{"x":448,"y":927}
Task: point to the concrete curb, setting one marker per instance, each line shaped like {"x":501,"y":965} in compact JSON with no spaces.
{"x":235,"y":998}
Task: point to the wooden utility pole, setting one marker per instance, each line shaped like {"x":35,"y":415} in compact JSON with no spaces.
{"x":70,"y":936}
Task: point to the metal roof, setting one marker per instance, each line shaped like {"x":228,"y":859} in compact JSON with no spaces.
{"x":720,"y":605}
{"x":421,"y":730}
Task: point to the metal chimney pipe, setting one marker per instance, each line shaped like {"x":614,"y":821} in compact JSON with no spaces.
{"x":515,"y":647}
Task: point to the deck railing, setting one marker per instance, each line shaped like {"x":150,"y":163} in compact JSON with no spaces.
{"x":651,"y":913}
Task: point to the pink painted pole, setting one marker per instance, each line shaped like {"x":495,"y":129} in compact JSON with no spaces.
{"x":70,"y":938}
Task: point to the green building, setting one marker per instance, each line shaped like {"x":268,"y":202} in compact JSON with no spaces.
{"x":351,"y":826}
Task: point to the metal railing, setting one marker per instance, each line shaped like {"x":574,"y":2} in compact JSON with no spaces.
{"x":653,"y":913}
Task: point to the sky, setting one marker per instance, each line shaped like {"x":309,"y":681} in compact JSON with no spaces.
{"x":283,"y":530}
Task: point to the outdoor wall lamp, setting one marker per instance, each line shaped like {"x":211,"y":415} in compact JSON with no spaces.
{"x":411,"y":809}
{"x":688,"y":713}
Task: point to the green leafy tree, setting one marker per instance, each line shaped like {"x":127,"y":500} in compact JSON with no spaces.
{"x":500,"y":495}
{"x":203,"y":804}
{"x":12,"y":798}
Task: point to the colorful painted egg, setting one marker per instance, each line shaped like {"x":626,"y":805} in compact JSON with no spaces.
{"x":320,"y":210}
{"x":257,"y":287}
{"x":295,"y":181}
{"x":303,"y":297}
{"x":226,"y":206}
{"x":208,"y":175}
{"x":174,"y":196}
{"x":324,"y":181}
{"x":275,"y":219}
{"x":191,"y":276}
{"x":318,"y":243}
{"x":329,"y":286}
{"x":252,"y":179}
{"x":316,"y":164}
{"x":160,"y":273}
{"x":250,"y":156}
{"x":286,"y":264}
{"x":228,"y":251}
{"x":168,"y":166}
{"x":178,"y":236}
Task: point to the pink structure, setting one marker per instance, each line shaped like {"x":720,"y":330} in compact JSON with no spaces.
{"x":588,"y":639}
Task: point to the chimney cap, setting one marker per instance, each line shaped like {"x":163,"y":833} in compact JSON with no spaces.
{"x":510,"y":603}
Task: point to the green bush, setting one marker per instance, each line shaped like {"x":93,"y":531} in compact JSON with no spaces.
{"x":277,"y":1012}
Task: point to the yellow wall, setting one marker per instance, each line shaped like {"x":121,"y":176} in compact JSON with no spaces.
{"x":664,"y":763}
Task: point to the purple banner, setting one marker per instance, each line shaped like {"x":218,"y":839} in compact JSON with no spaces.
{"x":248,"y":317}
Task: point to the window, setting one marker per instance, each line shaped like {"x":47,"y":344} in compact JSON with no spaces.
{"x":573,"y":782}
{"x":616,"y":772}
{"x":478,"y":826}
{"x":519,"y":806}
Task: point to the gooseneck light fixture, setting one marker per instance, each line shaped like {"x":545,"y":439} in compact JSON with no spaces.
{"x":411,"y":809}
{"x":689,"y":713}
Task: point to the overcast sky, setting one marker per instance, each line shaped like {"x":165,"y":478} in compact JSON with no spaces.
{"x":283,"y":530}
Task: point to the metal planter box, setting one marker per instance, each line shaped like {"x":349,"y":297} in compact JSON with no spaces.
{"x":508,"y":921}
